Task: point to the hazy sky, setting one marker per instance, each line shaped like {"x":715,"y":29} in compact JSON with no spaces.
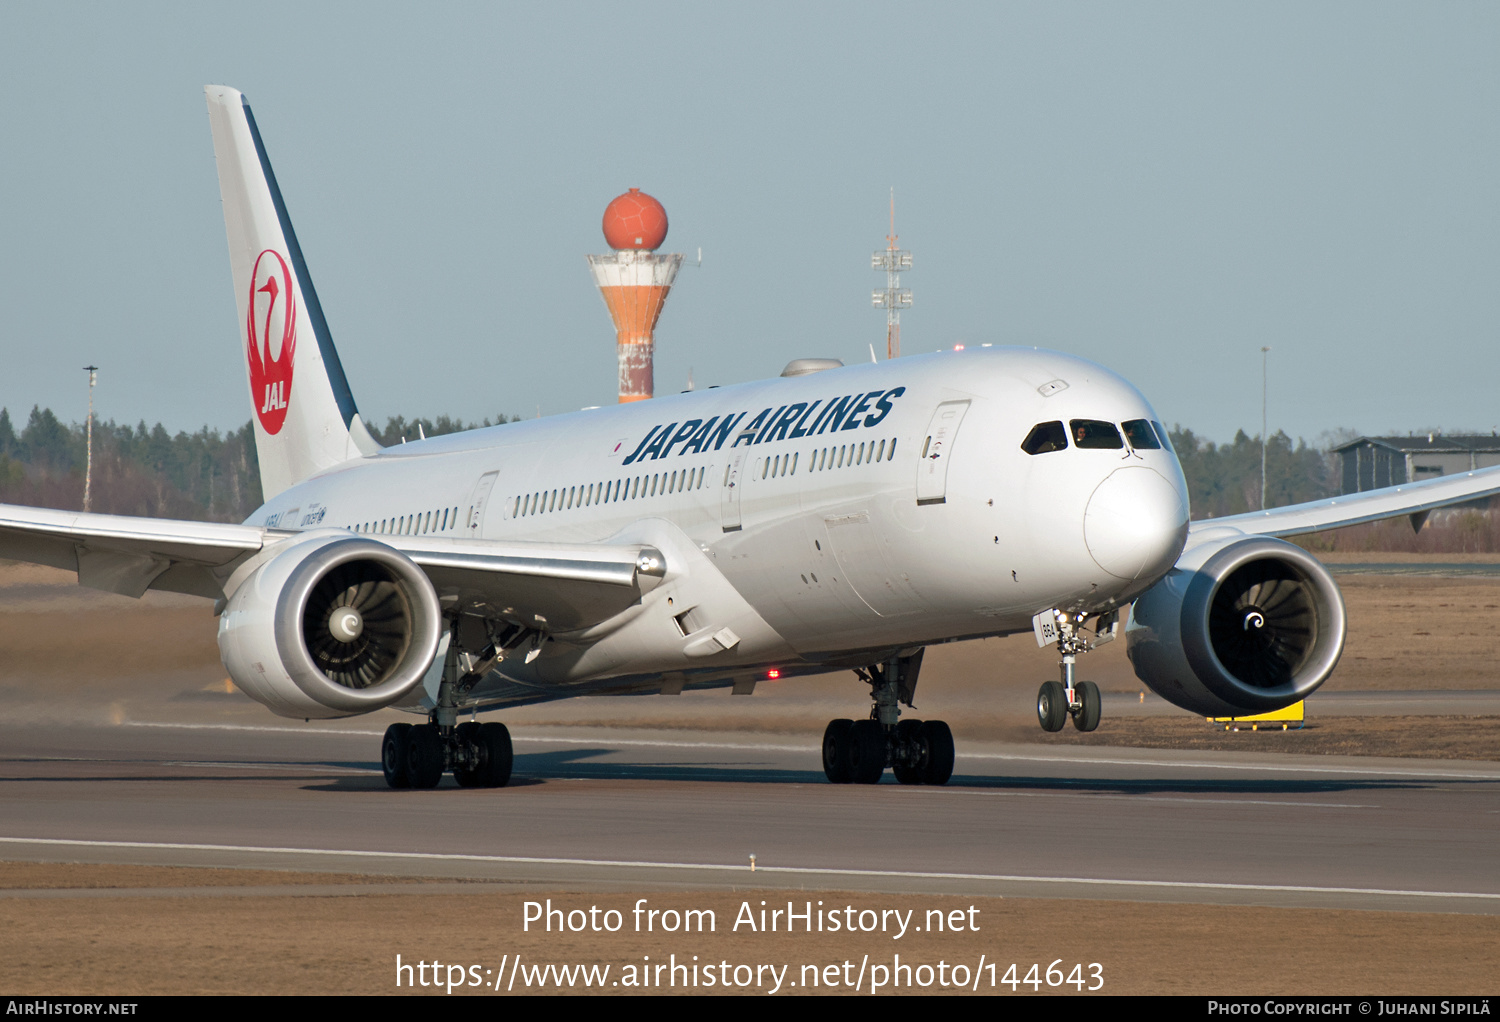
{"x":1161,"y":187}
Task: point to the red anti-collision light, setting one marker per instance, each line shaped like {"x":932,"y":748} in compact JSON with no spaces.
{"x":773,"y":675}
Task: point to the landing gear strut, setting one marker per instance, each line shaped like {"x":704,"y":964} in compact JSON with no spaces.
{"x":917,"y":751}
{"x":478,"y":755}
{"x":1056,"y":701}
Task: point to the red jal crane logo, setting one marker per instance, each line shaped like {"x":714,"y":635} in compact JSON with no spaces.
{"x":273,"y":313}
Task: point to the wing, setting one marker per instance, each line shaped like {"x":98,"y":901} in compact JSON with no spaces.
{"x":562,"y":587}
{"x":565,"y":586}
{"x":127,"y":555}
{"x":1415,"y":499}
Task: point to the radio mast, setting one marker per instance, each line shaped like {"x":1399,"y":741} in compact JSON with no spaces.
{"x":88,"y":470}
{"x":894,"y":297}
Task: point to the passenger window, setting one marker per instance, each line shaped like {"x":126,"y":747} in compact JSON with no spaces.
{"x":1094,"y":435}
{"x":1140,"y":435}
{"x":1045,"y":437}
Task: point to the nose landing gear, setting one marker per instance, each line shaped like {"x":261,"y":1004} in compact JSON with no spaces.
{"x":1056,"y":701}
{"x":917,"y":751}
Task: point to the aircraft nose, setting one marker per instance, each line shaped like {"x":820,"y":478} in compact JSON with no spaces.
{"x":1135,"y":523}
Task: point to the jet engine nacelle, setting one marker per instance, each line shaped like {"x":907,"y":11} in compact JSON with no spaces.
{"x":1242,"y":625}
{"x":331,"y":625}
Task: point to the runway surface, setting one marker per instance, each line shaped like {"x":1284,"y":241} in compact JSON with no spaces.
{"x":642,"y":810}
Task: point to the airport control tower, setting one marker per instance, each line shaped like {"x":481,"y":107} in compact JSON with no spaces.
{"x":634,"y":281}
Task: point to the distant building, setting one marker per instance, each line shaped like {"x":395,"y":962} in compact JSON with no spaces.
{"x":1375,"y":461}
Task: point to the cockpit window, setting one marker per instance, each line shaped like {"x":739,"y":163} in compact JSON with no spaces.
{"x":1044,"y":437}
{"x":1140,"y":435}
{"x":1092,"y":434}
{"x":1161,"y":431}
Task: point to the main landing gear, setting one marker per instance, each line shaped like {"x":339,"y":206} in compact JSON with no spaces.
{"x":917,"y":751}
{"x":478,"y":755}
{"x":1056,"y":701}
{"x":417,"y":755}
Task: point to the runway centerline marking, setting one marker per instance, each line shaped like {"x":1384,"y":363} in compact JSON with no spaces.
{"x":1452,"y":775}
{"x":716,"y":867}
{"x":1169,"y":798}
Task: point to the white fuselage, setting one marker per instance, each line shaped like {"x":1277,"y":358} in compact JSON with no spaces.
{"x":909,"y":515}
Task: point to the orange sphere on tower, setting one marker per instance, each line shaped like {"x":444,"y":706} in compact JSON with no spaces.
{"x":635,"y":221}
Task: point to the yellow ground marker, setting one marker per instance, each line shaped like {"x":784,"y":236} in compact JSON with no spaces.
{"x":1286,"y":716}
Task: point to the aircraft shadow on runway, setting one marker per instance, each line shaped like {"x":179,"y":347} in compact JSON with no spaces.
{"x":577,"y":764}
{"x":572,"y":764}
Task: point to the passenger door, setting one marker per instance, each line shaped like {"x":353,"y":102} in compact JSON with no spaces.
{"x":478,"y":500}
{"x":734,"y":478}
{"x":932,"y":462}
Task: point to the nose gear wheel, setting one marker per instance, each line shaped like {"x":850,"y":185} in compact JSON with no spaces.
{"x":1052,"y":706}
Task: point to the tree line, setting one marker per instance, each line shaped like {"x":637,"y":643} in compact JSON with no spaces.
{"x":1224,"y":479}
{"x":149,"y":472}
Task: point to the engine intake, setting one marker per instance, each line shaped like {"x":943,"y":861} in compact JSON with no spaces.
{"x":1241,"y":626}
{"x":332,"y":625}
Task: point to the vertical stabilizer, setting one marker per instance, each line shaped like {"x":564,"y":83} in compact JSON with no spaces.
{"x":305,"y":418}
